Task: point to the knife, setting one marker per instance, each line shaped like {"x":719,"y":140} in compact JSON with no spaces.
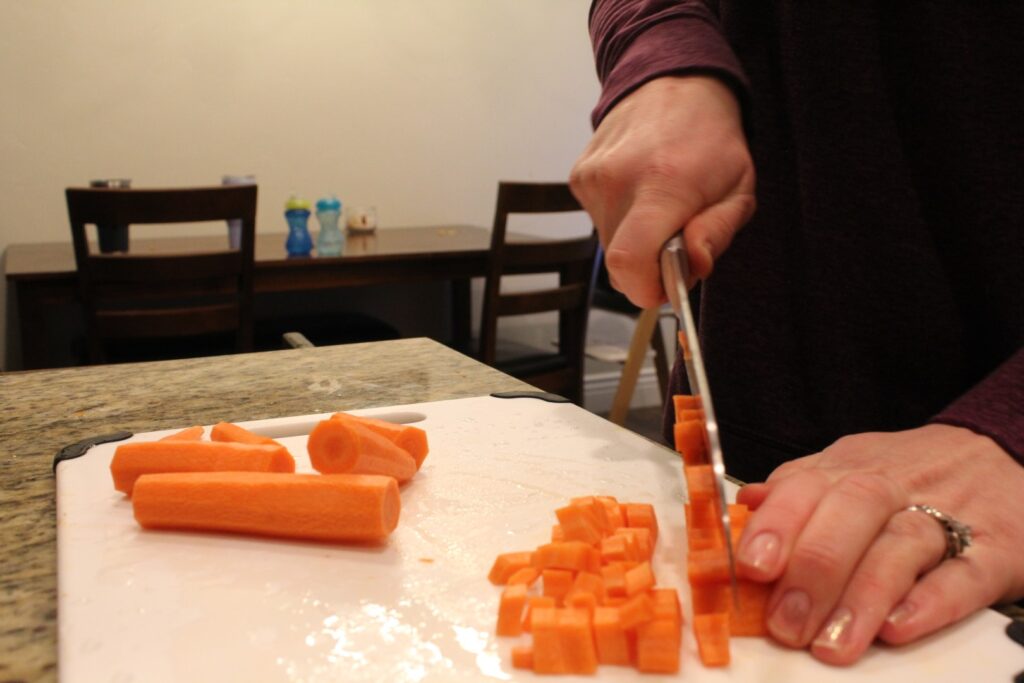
{"x":675,"y":271}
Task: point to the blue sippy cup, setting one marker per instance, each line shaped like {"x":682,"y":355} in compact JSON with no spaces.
{"x":296,"y":212}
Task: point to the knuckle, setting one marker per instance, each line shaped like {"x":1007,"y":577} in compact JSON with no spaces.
{"x":817,"y":558}
{"x":868,"y":487}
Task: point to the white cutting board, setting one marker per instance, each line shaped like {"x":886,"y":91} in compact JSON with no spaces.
{"x":151,"y":606}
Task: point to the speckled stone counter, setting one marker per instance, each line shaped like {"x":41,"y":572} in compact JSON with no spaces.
{"x":44,"y":411}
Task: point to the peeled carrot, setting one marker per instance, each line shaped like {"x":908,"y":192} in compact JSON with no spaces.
{"x":614,"y":578}
{"x":712,"y":632}
{"x":527,"y":576}
{"x":557,"y":583}
{"x":577,"y":641}
{"x":639,"y":579}
{"x":507,"y":564}
{"x":582,"y":601}
{"x":689,"y":441}
{"x":641,"y":515}
{"x":228,"y":431}
{"x":547,"y":645}
{"x":636,"y":610}
{"x":131,"y":460}
{"x":572,"y":555}
{"x":657,"y":646}
{"x":407,"y":437}
{"x":700,"y":483}
{"x":666,"y":604}
{"x":341,"y":445}
{"x":532,"y":602}
{"x":708,"y":566}
{"x":339,"y":507}
{"x":610,"y":640}
{"x":585,"y":523}
{"x":190,"y":434}
{"x":522,"y":657}
{"x":710,"y":598}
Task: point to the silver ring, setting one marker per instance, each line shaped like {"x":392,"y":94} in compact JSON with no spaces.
{"x":958,"y":534}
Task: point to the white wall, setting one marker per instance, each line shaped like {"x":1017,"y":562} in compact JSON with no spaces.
{"x":416,"y":106}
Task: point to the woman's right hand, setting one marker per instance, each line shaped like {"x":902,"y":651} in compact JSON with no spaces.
{"x":670,"y":156}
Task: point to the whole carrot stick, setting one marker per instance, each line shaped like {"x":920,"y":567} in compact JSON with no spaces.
{"x":334,"y":507}
{"x":228,"y":431}
{"x":410,"y":438}
{"x":337,"y":446}
{"x":131,"y":460}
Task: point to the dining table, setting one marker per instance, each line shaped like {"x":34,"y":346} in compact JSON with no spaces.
{"x":42,"y":280}
{"x":46,"y":410}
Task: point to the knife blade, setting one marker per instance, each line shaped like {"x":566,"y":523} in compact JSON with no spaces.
{"x":675,"y":271}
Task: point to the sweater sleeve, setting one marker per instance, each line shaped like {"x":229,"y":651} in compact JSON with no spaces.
{"x":994,"y":407}
{"x":636,"y":41}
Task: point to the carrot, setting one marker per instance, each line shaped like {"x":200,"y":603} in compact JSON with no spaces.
{"x":581,"y":522}
{"x":687,"y":414}
{"x":407,"y":437}
{"x":610,"y":640}
{"x":710,"y":598}
{"x":131,"y":460}
{"x":666,"y":604}
{"x":712,"y":632}
{"x":708,"y":566}
{"x":557,"y":533}
{"x":557,"y":583}
{"x":618,"y":548}
{"x":547,"y":645}
{"x":341,"y":445}
{"x":527,"y":576}
{"x":582,"y":601}
{"x":572,"y":555}
{"x":587,"y":582}
{"x":522,"y":657}
{"x":640,"y":579}
{"x":749,"y":618}
{"x":533,"y":602}
{"x":641,"y":539}
{"x":190,"y":434}
{"x":577,"y":638}
{"x":348,"y":507}
{"x":507,"y":564}
{"x":700,"y":483}
{"x":641,"y":515}
{"x":636,"y":610}
{"x":614,"y":579}
{"x":613,"y":511}
{"x":689,"y":441}
{"x":685,"y":402}
{"x":510,"y":610}
{"x":703,"y":515}
{"x":657,"y":646}
{"x":228,"y":431}
{"x":702,"y":537}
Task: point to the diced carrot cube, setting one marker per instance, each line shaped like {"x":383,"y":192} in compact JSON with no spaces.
{"x":708,"y":566}
{"x":577,"y":641}
{"x":581,"y":600}
{"x":702,"y":515}
{"x":711,"y":598}
{"x":738,"y":516}
{"x":640,"y":579}
{"x":547,"y":643}
{"x":613,"y":511}
{"x":586,"y":582}
{"x":642,"y":540}
{"x":689,"y":441}
{"x":712,"y":632}
{"x":636,"y":610}
{"x":666,"y":604}
{"x":614,"y":579}
{"x":579,"y":523}
{"x":617,"y":547}
{"x":557,"y":533}
{"x":573,"y":555}
{"x":510,"y":610}
{"x":533,"y":602}
{"x":522,"y":657}
{"x":557,"y":583}
{"x":526,"y":575}
{"x":657,"y":646}
{"x":682,"y":402}
{"x":642,"y":515}
{"x":749,"y":618}
{"x":698,"y":538}
{"x":610,"y":638}
{"x":506,"y":564}
{"x":700,"y":483}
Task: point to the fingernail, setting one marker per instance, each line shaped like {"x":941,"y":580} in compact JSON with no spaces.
{"x":761,"y":552}
{"x":901,"y":614}
{"x":836,"y":632}
{"x":788,"y":620}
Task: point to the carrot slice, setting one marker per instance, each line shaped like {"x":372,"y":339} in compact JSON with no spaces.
{"x":522,"y":656}
{"x":407,"y":437}
{"x":228,"y":431}
{"x":641,"y":539}
{"x":573,"y":555}
{"x":547,"y":643}
{"x":581,"y":523}
{"x":341,"y":445}
{"x":526,"y":576}
{"x":581,"y":600}
{"x":666,"y":604}
{"x":190,"y":434}
{"x":510,"y":610}
{"x":689,"y":441}
{"x":708,"y":566}
{"x":131,"y":460}
{"x":577,"y":638}
{"x":322,"y":507}
{"x":507,"y":564}
{"x":613,"y":511}
{"x":749,"y":618}
{"x":700,"y":483}
{"x":702,"y":515}
{"x":711,"y":598}
{"x":610,"y":641}
{"x":657,"y":646}
{"x":712,"y":632}
{"x":636,"y":610}
{"x":639,"y":579}
{"x":588,"y":582}
{"x":614,"y":578}
{"x":533,"y":602}
{"x":685,"y":402}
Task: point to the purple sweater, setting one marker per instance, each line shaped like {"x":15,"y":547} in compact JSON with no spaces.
{"x":880,"y":284}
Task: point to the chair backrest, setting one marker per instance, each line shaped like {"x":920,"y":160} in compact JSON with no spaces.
{"x":571,"y":259}
{"x":134,"y":296}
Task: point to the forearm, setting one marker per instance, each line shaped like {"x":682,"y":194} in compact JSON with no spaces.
{"x":636,"y":41}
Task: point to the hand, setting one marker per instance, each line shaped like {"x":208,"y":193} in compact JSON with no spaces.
{"x":669,"y":156}
{"x":853,"y":564}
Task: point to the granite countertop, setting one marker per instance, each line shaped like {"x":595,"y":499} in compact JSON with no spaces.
{"x":46,"y":410}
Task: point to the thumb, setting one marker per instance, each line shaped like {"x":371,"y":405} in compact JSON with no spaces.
{"x":709,"y":233}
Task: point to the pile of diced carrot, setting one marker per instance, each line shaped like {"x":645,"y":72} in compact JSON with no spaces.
{"x":717,"y":615}
{"x":242,"y":482}
{"x":589,"y":597}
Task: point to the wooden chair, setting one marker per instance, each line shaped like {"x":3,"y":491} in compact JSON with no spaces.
{"x":160,"y":302}
{"x":561,"y":371}
{"x":646,"y":334}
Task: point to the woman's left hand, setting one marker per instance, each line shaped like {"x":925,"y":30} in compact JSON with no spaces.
{"x":852,"y":563}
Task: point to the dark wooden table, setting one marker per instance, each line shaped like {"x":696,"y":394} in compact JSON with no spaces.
{"x":42,"y":276}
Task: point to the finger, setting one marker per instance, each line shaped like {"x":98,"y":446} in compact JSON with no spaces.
{"x":909,"y":546}
{"x":710,"y":232}
{"x":791,"y":467}
{"x":829,"y":548}
{"x":632,"y":255}
{"x":752,"y":495}
{"x":770,"y":533}
{"x":947,"y":594}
